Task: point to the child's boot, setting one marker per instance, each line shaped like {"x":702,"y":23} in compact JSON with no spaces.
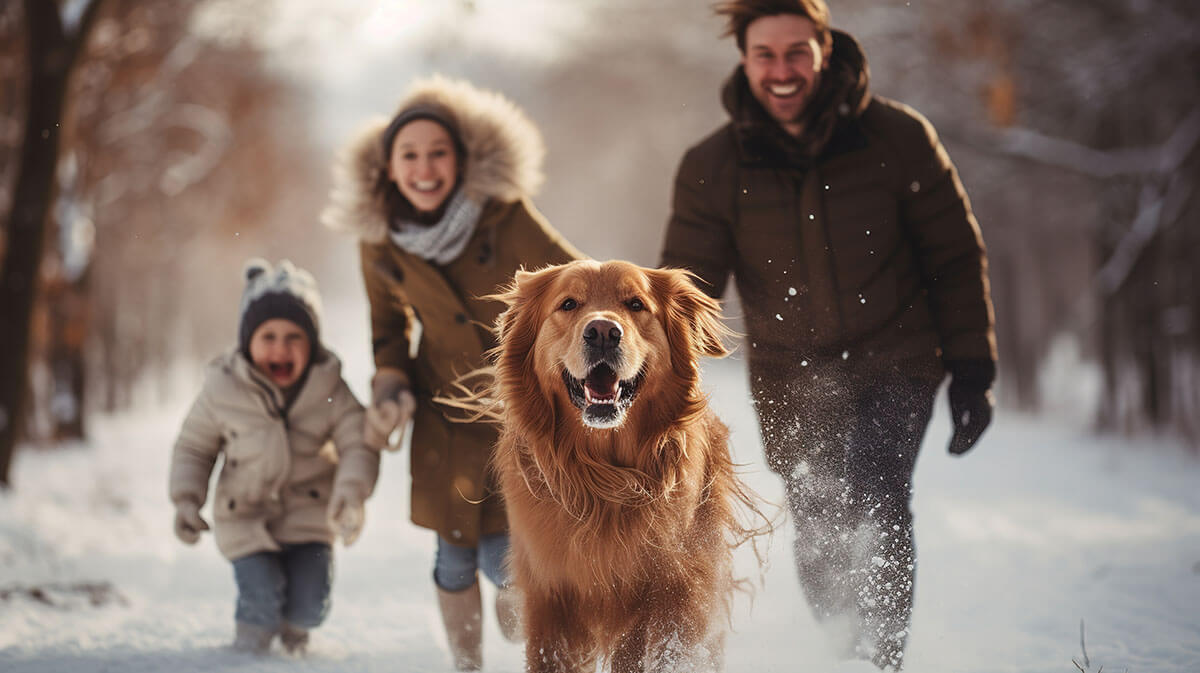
{"x":252,"y":638}
{"x":294,"y":639}
{"x":463,"y":617}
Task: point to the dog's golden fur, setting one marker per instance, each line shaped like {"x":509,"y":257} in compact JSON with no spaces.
{"x":622,"y":529}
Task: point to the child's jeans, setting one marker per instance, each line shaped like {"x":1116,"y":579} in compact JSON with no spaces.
{"x":290,"y":586}
{"x":454,"y":568}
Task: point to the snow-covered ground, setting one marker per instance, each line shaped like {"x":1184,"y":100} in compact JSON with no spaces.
{"x":1042,"y":526}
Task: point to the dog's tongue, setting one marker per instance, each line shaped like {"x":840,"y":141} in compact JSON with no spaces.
{"x":601,"y":384}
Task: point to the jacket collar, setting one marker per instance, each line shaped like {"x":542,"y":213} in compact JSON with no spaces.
{"x":829,"y":125}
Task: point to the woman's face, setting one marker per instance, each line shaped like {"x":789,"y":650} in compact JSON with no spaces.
{"x":423,"y":166}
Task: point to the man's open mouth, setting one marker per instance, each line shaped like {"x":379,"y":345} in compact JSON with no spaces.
{"x":784,"y":90}
{"x":601,"y":396}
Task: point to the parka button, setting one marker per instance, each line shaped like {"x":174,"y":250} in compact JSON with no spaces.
{"x":460,"y":318}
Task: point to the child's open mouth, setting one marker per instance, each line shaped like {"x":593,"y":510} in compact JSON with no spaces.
{"x":280,"y":370}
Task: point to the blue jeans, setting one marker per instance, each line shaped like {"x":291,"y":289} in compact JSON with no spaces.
{"x":454,"y":567}
{"x":290,"y":586}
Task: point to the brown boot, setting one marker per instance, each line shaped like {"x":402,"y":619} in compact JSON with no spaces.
{"x":508,"y":613}
{"x":294,"y":639}
{"x":462,"y":614}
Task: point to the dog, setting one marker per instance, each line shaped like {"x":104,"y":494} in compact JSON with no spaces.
{"x":622,"y":499}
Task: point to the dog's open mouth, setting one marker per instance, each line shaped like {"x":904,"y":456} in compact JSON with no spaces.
{"x":601,"y":396}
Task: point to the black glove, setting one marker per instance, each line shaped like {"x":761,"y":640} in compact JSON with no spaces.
{"x":971,"y":401}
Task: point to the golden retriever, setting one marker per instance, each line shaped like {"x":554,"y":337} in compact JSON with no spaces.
{"x":622,"y":499}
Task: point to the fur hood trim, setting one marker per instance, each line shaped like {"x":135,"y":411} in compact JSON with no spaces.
{"x":504,"y":156}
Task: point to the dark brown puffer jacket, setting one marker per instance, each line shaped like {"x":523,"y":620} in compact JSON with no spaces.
{"x":854,"y":242}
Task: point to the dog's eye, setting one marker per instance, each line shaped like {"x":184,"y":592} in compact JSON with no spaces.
{"x":635,"y":305}
{"x":568,"y":305}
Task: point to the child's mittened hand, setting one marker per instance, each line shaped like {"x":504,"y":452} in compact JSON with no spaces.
{"x":188,"y":522}
{"x":383,"y":417}
{"x":346,"y":514}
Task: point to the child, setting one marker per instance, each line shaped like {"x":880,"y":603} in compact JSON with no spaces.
{"x":296,"y":470}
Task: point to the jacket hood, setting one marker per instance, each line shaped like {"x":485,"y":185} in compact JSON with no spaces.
{"x":843,"y":94}
{"x":504,"y":156}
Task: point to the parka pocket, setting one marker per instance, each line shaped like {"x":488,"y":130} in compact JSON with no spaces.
{"x":255,"y":458}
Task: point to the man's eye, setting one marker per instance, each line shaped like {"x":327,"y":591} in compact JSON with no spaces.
{"x":568,"y":305}
{"x":635,"y":305}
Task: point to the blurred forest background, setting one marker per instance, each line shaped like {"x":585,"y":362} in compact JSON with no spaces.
{"x":147,"y":147}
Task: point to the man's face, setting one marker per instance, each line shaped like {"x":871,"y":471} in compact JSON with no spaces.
{"x":783,"y":61}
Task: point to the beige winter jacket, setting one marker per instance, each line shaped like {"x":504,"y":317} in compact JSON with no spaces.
{"x":279,"y":467}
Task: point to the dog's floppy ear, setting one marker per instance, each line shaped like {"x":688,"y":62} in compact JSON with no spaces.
{"x":522,"y":296}
{"x":692,"y":318}
{"x":516,"y":334}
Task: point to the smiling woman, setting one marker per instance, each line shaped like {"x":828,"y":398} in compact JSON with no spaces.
{"x":439,"y":197}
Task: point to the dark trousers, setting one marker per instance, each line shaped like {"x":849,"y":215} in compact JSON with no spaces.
{"x":846,"y":449}
{"x":291,"y":585}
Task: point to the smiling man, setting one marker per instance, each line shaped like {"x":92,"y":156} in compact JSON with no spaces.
{"x":863,"y":280}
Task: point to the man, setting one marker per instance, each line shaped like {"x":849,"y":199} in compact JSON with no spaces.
{"x":863,"y":280}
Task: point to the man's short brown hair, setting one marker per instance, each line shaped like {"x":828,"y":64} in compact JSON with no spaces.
{"x":741,"y":13}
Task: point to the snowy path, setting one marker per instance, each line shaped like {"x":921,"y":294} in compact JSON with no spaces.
{"x":1039,"y":528}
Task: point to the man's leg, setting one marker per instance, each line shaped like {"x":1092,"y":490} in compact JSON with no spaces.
{"x":806,"y":424}
{"x":881,"y":459}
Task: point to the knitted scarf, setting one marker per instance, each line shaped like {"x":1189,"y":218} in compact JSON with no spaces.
{"x":443,"y":241}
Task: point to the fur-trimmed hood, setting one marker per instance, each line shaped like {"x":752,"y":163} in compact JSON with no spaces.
{"x":504,"y":156}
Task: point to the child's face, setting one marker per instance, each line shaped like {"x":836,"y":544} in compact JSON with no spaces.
{"x":279,"y":348}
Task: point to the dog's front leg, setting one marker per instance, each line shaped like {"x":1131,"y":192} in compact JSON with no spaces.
{"x":556,"y":640}
{"x":630,"y":654}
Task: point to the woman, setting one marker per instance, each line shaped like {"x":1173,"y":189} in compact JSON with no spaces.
{"x":439,"y":200}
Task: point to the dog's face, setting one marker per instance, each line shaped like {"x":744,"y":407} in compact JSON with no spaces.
{"x":604,"y":335}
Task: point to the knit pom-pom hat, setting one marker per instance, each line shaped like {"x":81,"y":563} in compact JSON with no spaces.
{"x":285,"y":291}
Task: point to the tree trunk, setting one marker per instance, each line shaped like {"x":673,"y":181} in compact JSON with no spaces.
{"x":52,"y":54}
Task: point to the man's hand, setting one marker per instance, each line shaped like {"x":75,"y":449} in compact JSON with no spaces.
{"x":971,"y":402}
{"x":188,"y":523}
{"x":385,"y":416}
{"x":346,"y":513}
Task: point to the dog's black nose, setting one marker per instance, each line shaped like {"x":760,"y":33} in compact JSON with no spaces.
{"x":602,"y":334}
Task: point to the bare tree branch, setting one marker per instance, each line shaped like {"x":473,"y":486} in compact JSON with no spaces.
{"x":1083,"y":646}
{"x":195,"y":166}
{"x":1068,"y":154}
{"x":1116,"y":268}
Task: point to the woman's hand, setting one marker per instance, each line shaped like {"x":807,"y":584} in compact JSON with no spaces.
{"x":386,"y":416}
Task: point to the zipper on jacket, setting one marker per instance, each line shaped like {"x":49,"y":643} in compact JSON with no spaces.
{"x":282,"y":414}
